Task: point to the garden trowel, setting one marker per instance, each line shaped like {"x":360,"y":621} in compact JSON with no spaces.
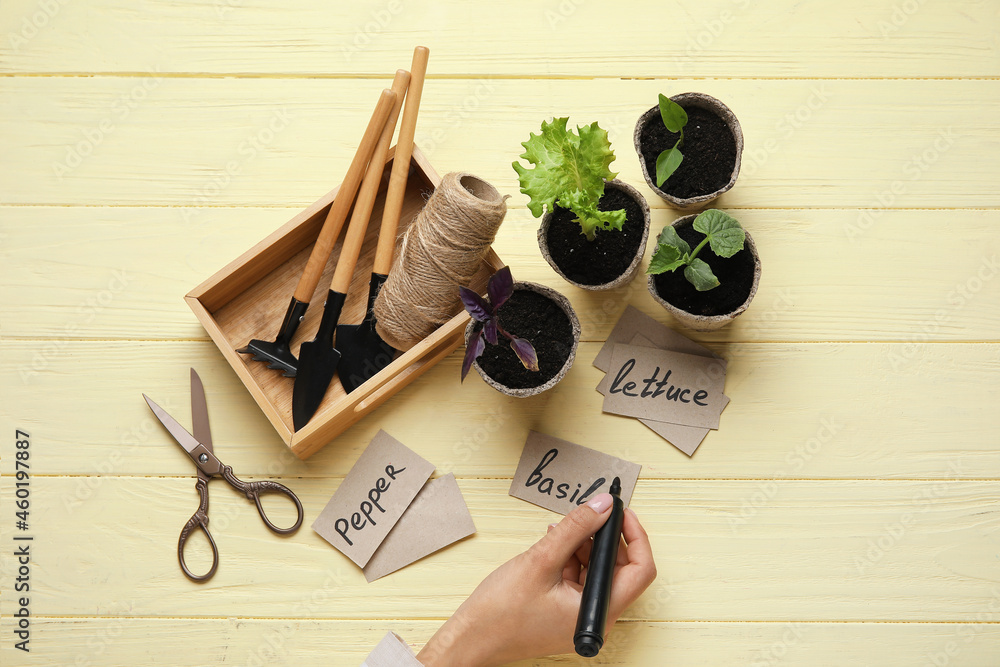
{"x":278,"y":353}
{"x":363,"y":352}
{"x":318,"y":359}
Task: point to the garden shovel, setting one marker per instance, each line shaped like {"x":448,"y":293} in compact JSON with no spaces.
{"x":318,"y":359}
{"x":363,"y":352}
{"x":278,"y":353}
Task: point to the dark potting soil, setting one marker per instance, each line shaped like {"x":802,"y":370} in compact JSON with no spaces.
{"x":609,"y":254}
{"x":545,"y":325}
{"x":735,"y":276}
{"x":709,"y":153}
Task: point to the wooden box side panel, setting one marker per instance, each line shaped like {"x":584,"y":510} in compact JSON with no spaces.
{"x":269,"y":255}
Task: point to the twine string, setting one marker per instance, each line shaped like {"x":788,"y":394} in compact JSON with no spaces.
{"x":440,"y":251}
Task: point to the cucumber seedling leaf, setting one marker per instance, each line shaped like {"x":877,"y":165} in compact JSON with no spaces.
{"x":722,"y":231}
{"x":670,"y":237}
{"x":667,"y":258}
{"x":700,"y":275}
{"x":724,"y":234}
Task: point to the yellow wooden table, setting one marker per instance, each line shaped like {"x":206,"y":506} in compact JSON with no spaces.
{"x":845,"y":513}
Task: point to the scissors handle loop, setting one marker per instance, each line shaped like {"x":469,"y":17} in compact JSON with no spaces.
{"x":198,"y":520}
{"x":253,"y":491}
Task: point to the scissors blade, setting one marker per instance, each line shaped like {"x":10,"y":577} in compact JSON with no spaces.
{"x":199,"y":412}
{"x":187,"y":441}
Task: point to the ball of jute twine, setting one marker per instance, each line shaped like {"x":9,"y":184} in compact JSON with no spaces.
{"x":440,"y":251}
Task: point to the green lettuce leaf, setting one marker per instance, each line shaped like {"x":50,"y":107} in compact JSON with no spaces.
{"x":569,"y":170}
{"x":588,"y":216}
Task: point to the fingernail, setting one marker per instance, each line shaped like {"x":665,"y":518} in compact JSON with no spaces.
{"x":600,"y":502}
{"x":551,"y":526}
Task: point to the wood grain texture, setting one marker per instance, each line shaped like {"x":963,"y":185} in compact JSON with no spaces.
{"x":809,"y":553}
{"x":98,"y":282}
{"x":742,"y":38}
{"x":846,"y":511}
{"x":127,"y":641}
{"x":192,"y":142}
{"x":795,"y":413}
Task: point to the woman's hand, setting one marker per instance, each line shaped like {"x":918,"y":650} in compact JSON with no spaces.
{"x":529,"y":605}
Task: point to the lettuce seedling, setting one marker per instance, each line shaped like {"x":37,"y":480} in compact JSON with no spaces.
{"x":674,"y":118}
{"x":487,"y":311}
{"x":721,"y":231}
{"x":569,"y":171}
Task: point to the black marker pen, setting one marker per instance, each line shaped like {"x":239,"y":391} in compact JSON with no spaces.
{"x":589,"y":637}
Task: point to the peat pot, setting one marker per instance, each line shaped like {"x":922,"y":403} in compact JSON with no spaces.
{"x":545,"y":318}
{"x":738,"y":277}
{"x":713,"y":145}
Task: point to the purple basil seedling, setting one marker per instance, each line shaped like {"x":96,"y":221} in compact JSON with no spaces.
{"x":487,"y":311}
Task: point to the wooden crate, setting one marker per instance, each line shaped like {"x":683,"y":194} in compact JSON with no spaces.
{"x":247,"y":299}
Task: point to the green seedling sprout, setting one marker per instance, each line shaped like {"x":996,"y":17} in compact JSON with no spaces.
{"x":722,"y":232}
{"x":674,"y":118}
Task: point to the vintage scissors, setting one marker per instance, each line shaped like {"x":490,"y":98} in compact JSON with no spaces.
{"x":199,"y":448}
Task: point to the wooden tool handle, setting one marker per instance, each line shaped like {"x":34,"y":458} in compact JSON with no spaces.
{"x":345,"y":197}
{"x":401,"y":164}
{"x":355,"y":236}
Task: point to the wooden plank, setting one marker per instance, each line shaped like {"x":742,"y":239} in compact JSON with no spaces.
{"x":732,"y":38}
{"x":125,"y":642}
{"x":840,"y":550}
{"x":798,"y":411}
{"x":85,"y":273}
{"x":846,"y":512}
{"x":264,"y":142}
